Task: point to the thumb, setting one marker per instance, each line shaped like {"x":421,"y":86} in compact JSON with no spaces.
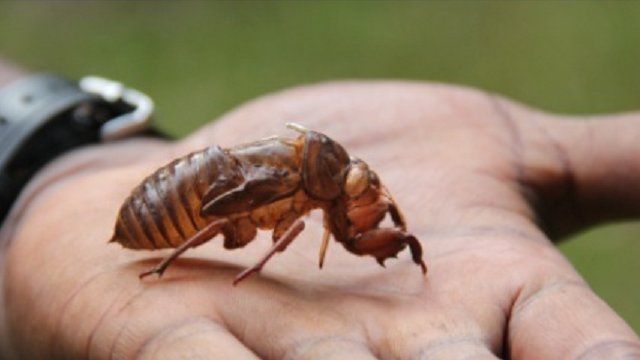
{"x":583,"y":171}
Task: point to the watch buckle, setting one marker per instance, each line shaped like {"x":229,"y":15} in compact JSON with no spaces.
{"x":131,"y":123}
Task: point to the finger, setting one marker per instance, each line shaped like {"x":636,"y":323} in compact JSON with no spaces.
{"x":331,"y":348}
{"x":291,"y":338}
{"x":451,"y":349}
{"x":313,"y":327}
{"x":582,"y":171}
{"x":443,"y":347}
{"x":566,"y":320}
{"x":467,"y":328}
{"x":198,"y":338}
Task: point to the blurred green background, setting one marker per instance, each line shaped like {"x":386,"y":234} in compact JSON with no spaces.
{"x":200,"y":59}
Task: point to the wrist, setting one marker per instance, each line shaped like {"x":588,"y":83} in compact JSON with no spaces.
{"x":61,"y":185}
{"x":72,"y":165}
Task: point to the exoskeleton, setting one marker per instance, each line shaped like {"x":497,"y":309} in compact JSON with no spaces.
{"x":269,"y":184}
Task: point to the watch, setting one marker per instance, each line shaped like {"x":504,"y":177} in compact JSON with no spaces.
{"x":45,"y":115}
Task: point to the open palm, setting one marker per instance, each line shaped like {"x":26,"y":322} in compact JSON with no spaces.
{"x":484,"y":184}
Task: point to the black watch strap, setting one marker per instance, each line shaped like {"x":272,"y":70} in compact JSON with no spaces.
{"x":43,"y":116}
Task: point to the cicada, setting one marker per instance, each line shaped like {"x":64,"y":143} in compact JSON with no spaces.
{"x":269,"y":184}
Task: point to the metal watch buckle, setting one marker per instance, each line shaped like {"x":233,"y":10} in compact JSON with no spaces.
{"x":127,"y":124}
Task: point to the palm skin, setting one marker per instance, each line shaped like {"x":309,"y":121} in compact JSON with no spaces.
{"x":474,"y":175}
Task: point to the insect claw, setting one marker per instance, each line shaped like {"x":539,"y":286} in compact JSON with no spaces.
{"x":245,"y":274}
{"x":150,"y":272}
{"x":381,"y":262}
{"x":423,"y":267}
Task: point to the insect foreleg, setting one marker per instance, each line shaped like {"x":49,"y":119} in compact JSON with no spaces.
{"x":416,"y":252}
{"x":384,"y":243}
{"x":280,"y":245}
{"x":199,"y":238}
{"x":396,"y":215}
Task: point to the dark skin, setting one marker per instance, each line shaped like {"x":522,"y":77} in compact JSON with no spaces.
{"x":487,"y":186}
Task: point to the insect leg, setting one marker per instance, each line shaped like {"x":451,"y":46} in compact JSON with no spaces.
{"x":282,"y":243}
{"x":326,"y":222}
{"x":283,"y":225}
{"x":394,"y":211}
{"x":324,"y":246}
{"x":385,"y":243}
{"x":416,"y":252}
{"x":200,"y":237}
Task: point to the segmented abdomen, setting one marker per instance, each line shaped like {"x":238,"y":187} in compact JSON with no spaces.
{"x":163,"y":211}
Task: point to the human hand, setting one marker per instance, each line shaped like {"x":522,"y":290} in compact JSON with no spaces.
{"x":474,"y":174}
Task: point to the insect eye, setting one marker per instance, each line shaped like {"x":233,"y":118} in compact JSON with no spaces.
{"x":357,"y":179}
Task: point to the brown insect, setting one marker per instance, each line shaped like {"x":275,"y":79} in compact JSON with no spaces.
{"x":268,"y":184}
